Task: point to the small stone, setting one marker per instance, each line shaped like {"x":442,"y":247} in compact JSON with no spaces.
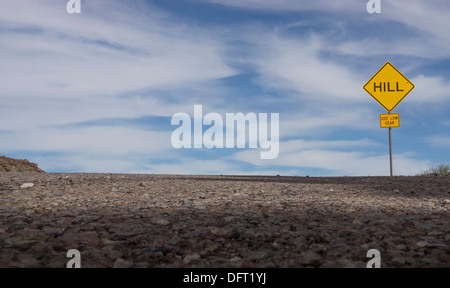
{"x":142,"y":265}
{"x":311,"y":258}
{"x":191,"y":258}
{"x":106,"y":241}
{"x":234,"y":235}
{"x":396,"y":191}
{"x":410,"y":261}
{"x":248,"y":234}
{"x":423,"y":226}
{"x":211,"y":247}
{"x":277,"y":246}
{"x":401,"y":247}
{"x":236,"y":262}
{"x":430,"y":261}
{"x":346,"y":263}
{"x":422,"y":244}
{"x":160,"y":221}
{"x":112,"y":253}
{"x":312,"y":224}
{"x":298,"y":241}
{"x":143,"y":184}
{"x":342,"y":246}
{"x":20,"y":243}
{"x":257,"y":255}
{"x":41,"y":248}
{"x":399,"y":260}
{"x":229,"y":219}
{"x":30,"y":263}
{"x":27,"y":185}
{"x":236,"y":259}
{"x":56,"y":264}
{"x":365,"y":246}
{"x":218,"y":232}
{"x":164,"y":249}
{"x":174,"y":240}
{"x":29,"y":212}
{"x":121,"y":263}
{"x":318,"y":248}
{"x":438,"y":245}
{"x":330,"y":265}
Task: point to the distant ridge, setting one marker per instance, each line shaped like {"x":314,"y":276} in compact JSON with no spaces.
{"x":17,"y":165}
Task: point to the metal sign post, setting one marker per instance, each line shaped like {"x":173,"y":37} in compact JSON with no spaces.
{"x":390,"y":150}
{"x":390,"y":121}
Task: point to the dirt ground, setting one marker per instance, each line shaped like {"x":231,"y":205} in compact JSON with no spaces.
{"x":223,"y":221}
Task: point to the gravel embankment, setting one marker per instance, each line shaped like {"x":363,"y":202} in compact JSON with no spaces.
{"x":223,"y":221}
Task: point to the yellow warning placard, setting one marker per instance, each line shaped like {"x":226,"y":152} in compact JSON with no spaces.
{"x":388,"y":86}
{"x":390,"y":120}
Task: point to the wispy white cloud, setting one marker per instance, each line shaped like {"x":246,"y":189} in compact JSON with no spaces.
{"x":47,"y":54}
{"x":429,"y":89}
{"x":337,"y":162}
{"x":438,"y":141}
{"x":297,"y":65}
{"x":430,"y":17}
{"x":301,"y":144}
{"x":104,"y":140}
{"x":89,"y":163}
{"x":288,"y":5}
{"x":327,"y":119}
{"x":80,"y":69}
{"x":92,"y":149}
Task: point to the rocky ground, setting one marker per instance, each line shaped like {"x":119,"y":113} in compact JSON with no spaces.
{"x":223,"y":221}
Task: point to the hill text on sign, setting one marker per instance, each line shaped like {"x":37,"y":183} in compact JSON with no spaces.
{"x":389,"y":120}
{"x":388,"y":86}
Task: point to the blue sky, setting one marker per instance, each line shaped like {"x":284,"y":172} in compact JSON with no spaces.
{"x":96,"y":91}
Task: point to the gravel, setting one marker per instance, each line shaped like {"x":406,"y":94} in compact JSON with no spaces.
{"x":170,"y":221}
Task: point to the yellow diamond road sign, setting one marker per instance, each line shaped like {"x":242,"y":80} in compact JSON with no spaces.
{"x":388,"y":86}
